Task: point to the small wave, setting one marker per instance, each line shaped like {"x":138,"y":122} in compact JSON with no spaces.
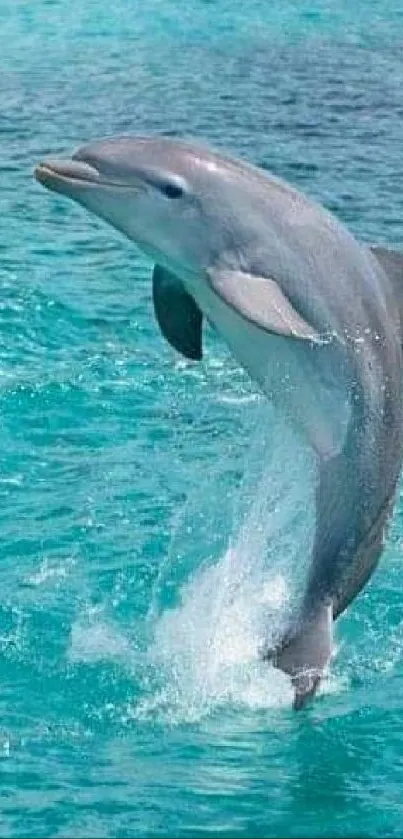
{"x":50,"y":570}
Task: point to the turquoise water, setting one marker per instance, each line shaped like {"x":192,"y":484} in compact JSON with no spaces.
{"x":150,"y":531}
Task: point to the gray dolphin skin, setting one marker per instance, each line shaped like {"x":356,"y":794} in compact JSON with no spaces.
{"x":314,"y":316}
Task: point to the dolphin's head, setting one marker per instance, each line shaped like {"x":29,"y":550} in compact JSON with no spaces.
{"x":161,"y":193}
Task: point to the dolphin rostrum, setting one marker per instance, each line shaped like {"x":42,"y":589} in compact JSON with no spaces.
{"x":313,"y":315}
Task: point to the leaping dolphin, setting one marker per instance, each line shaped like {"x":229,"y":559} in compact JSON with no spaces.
{"x":313,"y":315}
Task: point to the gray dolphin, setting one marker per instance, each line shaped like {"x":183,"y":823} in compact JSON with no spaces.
{"x":314,"y":316}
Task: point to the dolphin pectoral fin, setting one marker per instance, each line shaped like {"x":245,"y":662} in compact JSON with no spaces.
{"x":305,"y":654}
{"x":178,"y":315}
{"x":261,"y":301}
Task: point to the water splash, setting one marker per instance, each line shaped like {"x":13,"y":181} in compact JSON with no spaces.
{"x":207,"y":644}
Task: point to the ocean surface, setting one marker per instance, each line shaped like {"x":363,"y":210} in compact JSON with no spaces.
{"x":153,"y":514}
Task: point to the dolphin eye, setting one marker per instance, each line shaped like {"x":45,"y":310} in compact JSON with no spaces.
{"x":172,"y":190}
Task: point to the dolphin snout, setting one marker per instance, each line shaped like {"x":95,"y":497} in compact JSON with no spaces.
{"x":59,"y":175}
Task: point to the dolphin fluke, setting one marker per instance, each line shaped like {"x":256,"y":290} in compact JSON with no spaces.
{"x":305,"y":654}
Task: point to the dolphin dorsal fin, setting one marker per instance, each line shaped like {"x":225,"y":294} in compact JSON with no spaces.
{"x":392,"y":263}
{"x":261,"y":301}
{"x":177,"y":313}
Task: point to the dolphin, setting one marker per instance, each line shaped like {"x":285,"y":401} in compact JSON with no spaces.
{"x":312,"y":314}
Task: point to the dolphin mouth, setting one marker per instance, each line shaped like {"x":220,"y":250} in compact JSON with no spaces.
{"x":49,"y":172}
{"x":64,"y":175}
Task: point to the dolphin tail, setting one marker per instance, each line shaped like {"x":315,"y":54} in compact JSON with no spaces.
{"x":305,"y":654}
